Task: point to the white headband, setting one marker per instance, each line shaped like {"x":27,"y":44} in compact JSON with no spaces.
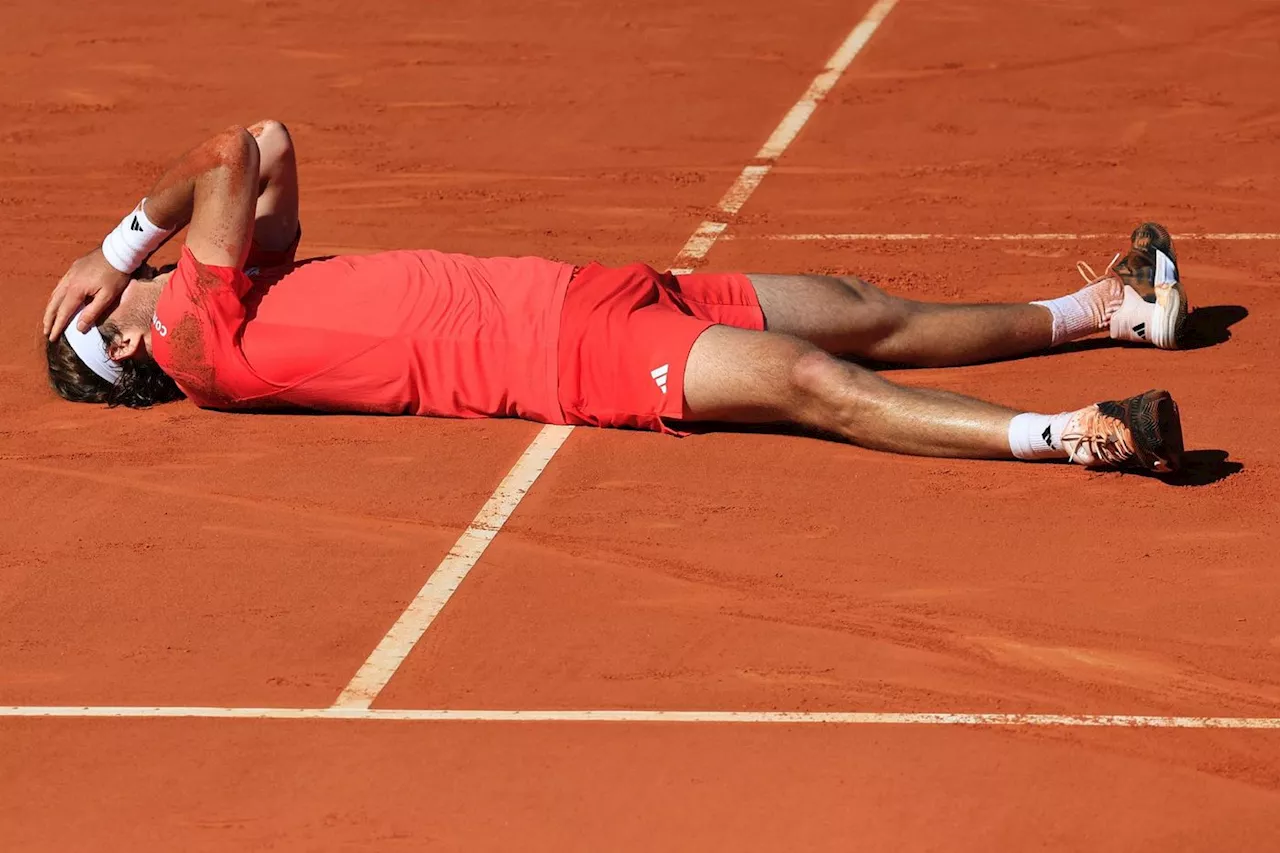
{"x":92,"y":350}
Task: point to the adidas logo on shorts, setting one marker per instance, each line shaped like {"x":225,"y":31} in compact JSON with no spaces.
{"x":659,"y":375}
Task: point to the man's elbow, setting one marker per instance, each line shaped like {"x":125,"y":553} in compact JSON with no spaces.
{"x":232,"y":152}
{"x":233,"y":147}
{"x":272,"y":136}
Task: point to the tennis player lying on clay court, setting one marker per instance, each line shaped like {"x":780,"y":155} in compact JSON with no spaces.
{"x":239,"y":325}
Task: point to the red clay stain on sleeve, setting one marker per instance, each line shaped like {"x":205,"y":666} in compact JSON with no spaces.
{"x":191,"y":367}
{"x":193,"y":339}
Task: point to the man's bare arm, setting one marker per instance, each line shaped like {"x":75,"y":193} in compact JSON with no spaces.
{"x":275,"y":223}
{"x":170,"y":205}
{"x":221,"y":200}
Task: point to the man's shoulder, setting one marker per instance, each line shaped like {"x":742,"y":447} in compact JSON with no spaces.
{"x":200,"y":296}
{"x":195,"y":278}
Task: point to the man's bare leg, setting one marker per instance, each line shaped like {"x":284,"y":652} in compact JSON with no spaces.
{"x":742,"y":376}
{"x":1138,"y":299}
{"x":848,"y":316}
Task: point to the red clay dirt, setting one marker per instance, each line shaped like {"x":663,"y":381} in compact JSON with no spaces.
{"x":262,"y":558}
{"x":217,"y":785}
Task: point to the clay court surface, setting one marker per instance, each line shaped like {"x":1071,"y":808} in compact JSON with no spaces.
{"x":179,"y":559}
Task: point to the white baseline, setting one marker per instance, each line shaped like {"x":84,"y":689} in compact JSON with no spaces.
{"x":840,"y":718}
{"x":1049,"y":237}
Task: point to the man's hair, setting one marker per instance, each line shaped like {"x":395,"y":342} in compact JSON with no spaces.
{"x":141,"y":384}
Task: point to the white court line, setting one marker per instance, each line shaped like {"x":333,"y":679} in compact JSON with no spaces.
{"x":1116,"y":721}
{"x":382,"y":664}
{"x":374,"y":674}
{"x":854,"y":238}
{"x":783,"y":135}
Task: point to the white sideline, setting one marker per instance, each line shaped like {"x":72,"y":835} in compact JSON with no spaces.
{"x":391,"y":651}
{"x":1121,"y":721}
{"x":854,"y":238}
{"x":783,"y":135}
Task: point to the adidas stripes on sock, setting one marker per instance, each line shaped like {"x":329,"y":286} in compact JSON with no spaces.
{"x":1085,"y":312}
{"x":1036,"y":436}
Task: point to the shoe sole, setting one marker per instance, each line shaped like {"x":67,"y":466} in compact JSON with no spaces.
{"x":1156,"y":426}
{"x":1170,"y":316}
{"x":1171,"y":300}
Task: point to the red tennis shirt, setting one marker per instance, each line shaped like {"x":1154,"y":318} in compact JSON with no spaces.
{"x":421,"y":332}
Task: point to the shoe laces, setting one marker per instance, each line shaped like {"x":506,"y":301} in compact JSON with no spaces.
{"x":1087,"y":273}
{"x":1104,"y":437}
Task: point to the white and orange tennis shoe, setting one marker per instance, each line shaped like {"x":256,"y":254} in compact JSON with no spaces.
{"x":1143,"y":431}
{"x":1154,"y":310}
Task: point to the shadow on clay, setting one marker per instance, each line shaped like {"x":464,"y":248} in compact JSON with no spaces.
{"x":1199,"y":468}
{"x":1211,"y":325}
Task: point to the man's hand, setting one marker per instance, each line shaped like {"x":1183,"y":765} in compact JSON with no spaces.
{"x":90,"y":278}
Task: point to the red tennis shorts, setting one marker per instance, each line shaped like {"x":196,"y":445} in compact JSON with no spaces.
{"x":625,"y":337}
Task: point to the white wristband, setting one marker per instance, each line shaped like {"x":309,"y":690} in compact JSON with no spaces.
{"x":133,"y":240}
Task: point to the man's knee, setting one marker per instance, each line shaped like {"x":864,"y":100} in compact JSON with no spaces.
{"x":879,"y":315}
{"x":864,"y":292}
{"x":822,"y":385}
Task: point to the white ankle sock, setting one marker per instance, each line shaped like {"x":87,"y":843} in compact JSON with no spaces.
{"x":1085,"y":312}
{"x":1035,"y":436}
